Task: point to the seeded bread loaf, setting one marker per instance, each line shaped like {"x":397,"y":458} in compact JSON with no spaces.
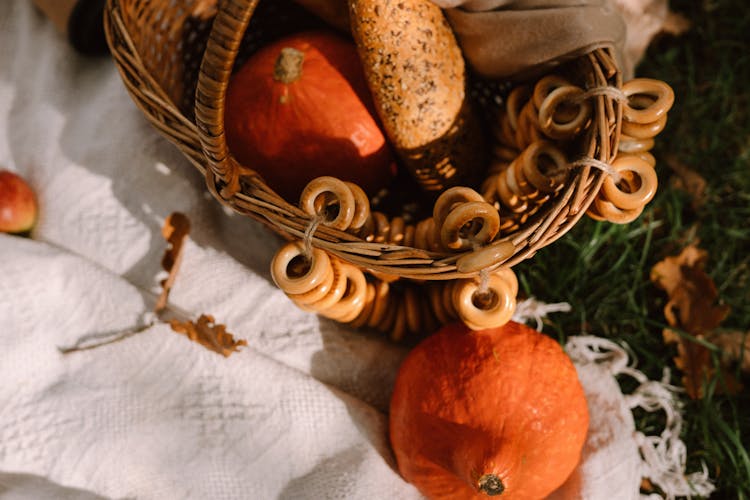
{"x":416,"y":74}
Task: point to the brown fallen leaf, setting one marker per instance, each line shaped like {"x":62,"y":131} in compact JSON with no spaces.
{"x":209,"y":334}
{"x":204,"y":331}
{"x":688,"y":180}
{"x":176,"y":228}
{"x":692,"y":308}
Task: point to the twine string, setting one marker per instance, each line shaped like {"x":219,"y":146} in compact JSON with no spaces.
{"x":608,"y":91}
{"x":601,"y":165}
{"x":483,"y":289}
{"x":312,"y":226}
{"x":484,"y":282}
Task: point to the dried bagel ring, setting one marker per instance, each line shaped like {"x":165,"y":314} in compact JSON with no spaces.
{"x":437,"y":303}
{"x":393,"y":301}
{"x":316,"y":294}
{"x":398,"y":330}
{"x":514,"y":202}
{"x":351,"y":303}
{"x":640,"y":179}
{"x":450,"y":232}
{"x":545,"y":85}
{"x":448,"y":200}
{"x":507,"y":275}
{"x":422,"y":233}
{"x":594,"y":213}
{"x":516,"y":181}
{"x":429,"y":323}
{"x":366,"y":312}
{"x":528,"y":129}
{"x":526,"y":188}
{"x":409,"y":232}
{"x":447,"y":295}
{"x":489,"y":188}
{"x":412,"y":309}
{"x":361,"y":206}
{"x":514,"y":104}
{"x":336,"y":292}
{"x":322,"y":186}
{"x":630,"y":144}
{"x":546,"y":180}
{"x":660,"y":94}
{"x":644,"y":130}
{"x":380,"y":309}
{"x":382,"y":228}
{"x":555,"y":126}
{"x":398,"y":228}
{"x":647,"y":157}
{"x":611,"y":213}
{"x":316,"y":272}
{"x":478,"y":314}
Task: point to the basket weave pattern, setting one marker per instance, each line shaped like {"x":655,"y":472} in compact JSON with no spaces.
{"x":176,"y":58}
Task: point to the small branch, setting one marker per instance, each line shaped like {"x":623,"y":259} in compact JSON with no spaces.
{"x":95,"y":340}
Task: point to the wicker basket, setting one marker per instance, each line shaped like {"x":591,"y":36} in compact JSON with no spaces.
{"x":159,"y":47}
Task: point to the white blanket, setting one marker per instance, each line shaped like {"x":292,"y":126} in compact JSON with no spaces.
{"x":299,"y":413}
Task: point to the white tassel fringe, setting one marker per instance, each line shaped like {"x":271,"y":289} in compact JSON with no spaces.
{"x":663,"y":457}
{"x":532,"y":309}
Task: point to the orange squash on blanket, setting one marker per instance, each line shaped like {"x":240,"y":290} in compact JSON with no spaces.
{"x":484,"y":413}
{"x":299,"y":109}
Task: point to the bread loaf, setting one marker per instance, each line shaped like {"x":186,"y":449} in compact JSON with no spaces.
{"x":416,"y":74}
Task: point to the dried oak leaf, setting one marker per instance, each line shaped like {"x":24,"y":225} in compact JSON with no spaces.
{"x":175,"y":229}
{"x":209,"y":334}
{"x":692,"y":308}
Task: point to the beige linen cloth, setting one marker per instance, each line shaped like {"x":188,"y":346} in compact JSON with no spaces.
{"x":517,"y":38}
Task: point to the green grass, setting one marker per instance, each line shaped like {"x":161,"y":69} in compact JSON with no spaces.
{"x":602,"y":269}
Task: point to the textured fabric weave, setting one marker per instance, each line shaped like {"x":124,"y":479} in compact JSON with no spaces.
{"x":300,"y":413}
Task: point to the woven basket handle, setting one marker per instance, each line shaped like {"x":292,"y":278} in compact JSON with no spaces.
{"x":223,"y":45}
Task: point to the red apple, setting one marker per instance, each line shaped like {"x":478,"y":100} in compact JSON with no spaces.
{"x":18,"y":207}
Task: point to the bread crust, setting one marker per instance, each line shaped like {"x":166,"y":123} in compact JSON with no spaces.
{"x":416,"y":73}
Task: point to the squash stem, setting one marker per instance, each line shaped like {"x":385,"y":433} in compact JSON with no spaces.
{"x":491,"y":485}
{"x":288,"y":67}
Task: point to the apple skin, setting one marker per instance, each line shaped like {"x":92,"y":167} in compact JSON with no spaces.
{"x":18,"y":205}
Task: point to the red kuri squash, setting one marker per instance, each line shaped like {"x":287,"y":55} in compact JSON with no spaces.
{"x":484,"y":413}
{"x":300,"y":108}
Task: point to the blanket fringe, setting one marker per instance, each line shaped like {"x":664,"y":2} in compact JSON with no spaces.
{"x":663,"y":457}
{"x":532,"y":309}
